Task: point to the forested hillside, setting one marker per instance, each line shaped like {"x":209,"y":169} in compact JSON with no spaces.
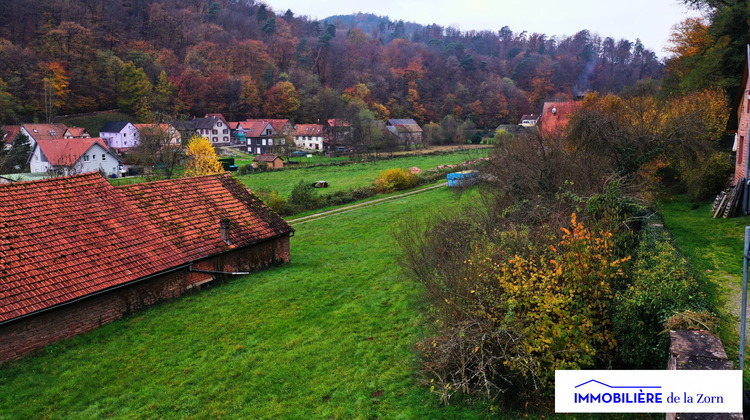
{"x":152,"y":58}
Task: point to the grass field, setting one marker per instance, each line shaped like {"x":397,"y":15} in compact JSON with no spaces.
{"x":94,"y":123}
{"x":344,"y":178}
{"x":714,"y":248}
{"x":329,"y":335}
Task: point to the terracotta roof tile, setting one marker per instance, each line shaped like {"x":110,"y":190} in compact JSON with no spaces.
{"x":65,"y":238}
{"x":556,"y":115}
{"x":309,"y":130}
{"x":65,"y":152}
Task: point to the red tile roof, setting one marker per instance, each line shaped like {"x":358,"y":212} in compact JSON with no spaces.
{"x":255,"y":128}
{"x":188,"y":211}
{"x":278,"y":124}
{"x":46,"y":131}
{"x":309,"y":130}
{"x":552,"y":122}
{"x":65,"y":238}
{"x":65,"y":152}
{"x":264,"y":157}
{"x":10,"y":132}
{"x":77,"y":131}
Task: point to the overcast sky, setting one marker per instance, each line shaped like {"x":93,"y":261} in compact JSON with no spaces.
{"x":649,"y":20}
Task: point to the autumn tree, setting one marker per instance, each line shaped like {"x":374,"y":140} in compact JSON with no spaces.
{"x":282,"y":100}
{"x":158,"y":150}
{"x":201,"y":157}
{"x":135,"y":92}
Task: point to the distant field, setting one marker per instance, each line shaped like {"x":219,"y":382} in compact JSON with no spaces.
{"x":329,"y":335}
{"x":343,"y":178}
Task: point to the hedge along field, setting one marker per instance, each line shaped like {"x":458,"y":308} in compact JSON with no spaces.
{"x":347,"y":177}
{"x":330,"y":335}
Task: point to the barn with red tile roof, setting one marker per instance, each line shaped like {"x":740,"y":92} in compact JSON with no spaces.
{"x":78,"y":253}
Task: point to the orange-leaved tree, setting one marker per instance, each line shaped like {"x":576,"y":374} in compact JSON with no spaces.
{"x":202,"y":158}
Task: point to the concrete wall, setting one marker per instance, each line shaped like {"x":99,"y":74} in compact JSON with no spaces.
{"x":37,"y":331}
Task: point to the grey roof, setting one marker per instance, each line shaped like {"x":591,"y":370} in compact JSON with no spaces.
{"x":205,"y":123}
{"x":184,"y":125}
{"x":407,"y":121}
{"x":113,"y":127}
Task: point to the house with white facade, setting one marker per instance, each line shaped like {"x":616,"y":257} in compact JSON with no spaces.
{"x":309,"y":136}
{"x":74,"y":156}
{"x":120,"y":135}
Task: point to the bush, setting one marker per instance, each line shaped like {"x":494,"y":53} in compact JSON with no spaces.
{"x":304,"y":197}
{"x":507,"y":316}
{"x":708,"y":176}
{"x":275,"y":201}
{"x":246,"y":169}
{"x":662,"y":285}
{"x":395,"y":180}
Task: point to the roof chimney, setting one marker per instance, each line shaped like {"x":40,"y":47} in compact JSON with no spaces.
{"x":224,"y":229}
{"x":554,"y":111}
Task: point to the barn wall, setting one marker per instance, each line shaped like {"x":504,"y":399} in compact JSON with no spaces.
{"x":37,"y":331}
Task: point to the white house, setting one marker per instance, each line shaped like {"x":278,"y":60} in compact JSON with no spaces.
{"x":74,"y":156}
{"x":309,"y":136}
{"x":120,"y":135}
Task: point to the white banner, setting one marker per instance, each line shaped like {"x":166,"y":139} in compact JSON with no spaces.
{"x":648,"y":391}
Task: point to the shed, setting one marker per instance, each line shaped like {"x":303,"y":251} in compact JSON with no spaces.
{"x":273,"y":161}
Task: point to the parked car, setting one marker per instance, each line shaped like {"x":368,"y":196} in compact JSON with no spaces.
{"x":299,"y":153}
{"x":341,"y":149}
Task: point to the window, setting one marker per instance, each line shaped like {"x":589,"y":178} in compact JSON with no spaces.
{"x":104,"y":156}
{"x":268,"y":132}
{"x":225,"y":131}
{"x":93,"y":156}
{"x":124,"y":134}
{"x":740,"y":150}
{"x":214,"y":139}
{"x":85,"y":158}
{"x":214,"y":131}
{"x":226,"y":139}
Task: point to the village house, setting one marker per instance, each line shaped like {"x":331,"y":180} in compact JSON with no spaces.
{"x":212,"y":127}
{"x":120,"y":135}
{"x":73,"y":156}
{"x":338,"y":133}
{"x":556,"y":115}
{"x":260,"y":136}
{"x":36,"y":132}
{"x":310,"y":136}
{"x":167,"y":134}
{"x":407,"y":130}
{"x":273,"y":161}
{"x":76,"y":133}
{"x":81,"y":253}
{"x":529,"y":120}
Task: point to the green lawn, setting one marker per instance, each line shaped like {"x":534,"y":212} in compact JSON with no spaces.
{"x":329,"y":335}
{"x":94,"y":123}
{"x":714,"y":247}
{"x":344,"y":178}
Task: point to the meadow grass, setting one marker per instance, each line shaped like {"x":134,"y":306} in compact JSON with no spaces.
{"x":347,"y":177}
{"x":714,"y":248}
{"x":94,"y":123}
{"x":330,"y":334}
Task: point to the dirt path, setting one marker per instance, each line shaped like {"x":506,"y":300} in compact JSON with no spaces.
{"x":352,"y":207}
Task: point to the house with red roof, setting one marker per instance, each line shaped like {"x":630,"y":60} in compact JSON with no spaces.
{"x":260,"y":136}
{"x":73,"y":156}
{"x":556,"y":115}
{"x":36,"y":132}
{"x":79,"y":252}
{"x":76,"y":133}
{"x":310,"y":136}
{"x":272,"y":161}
